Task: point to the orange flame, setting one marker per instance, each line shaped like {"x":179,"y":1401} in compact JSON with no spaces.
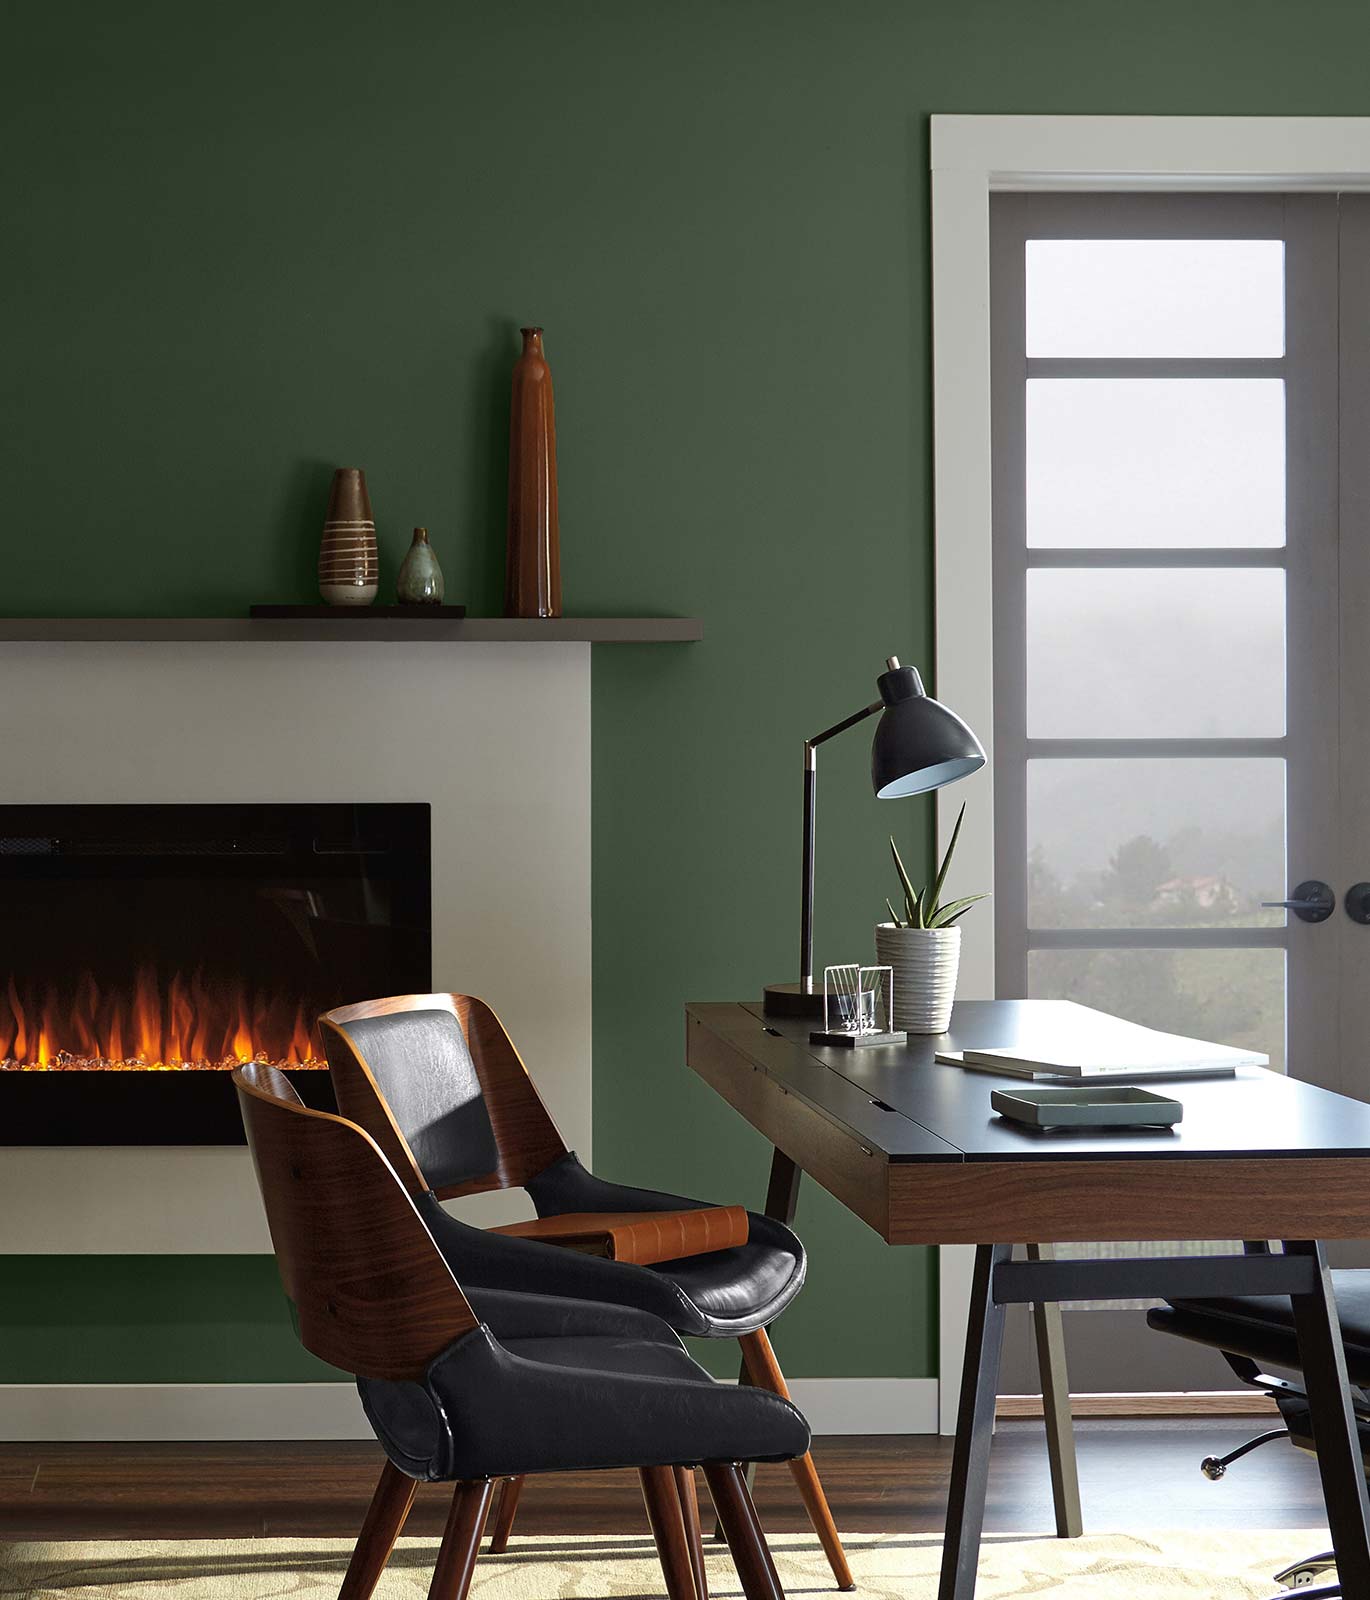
{"x":186,"y":1023}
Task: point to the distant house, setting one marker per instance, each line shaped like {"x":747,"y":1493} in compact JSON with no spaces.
{"x":1211,"y":893}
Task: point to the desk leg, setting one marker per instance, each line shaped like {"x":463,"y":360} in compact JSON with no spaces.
{"x":782,"y":1192}
{"x":782,"y":1199}
{"x":974,"y":1429}
{"x":1334,"y":1425}
{"x":1051,"y":1363}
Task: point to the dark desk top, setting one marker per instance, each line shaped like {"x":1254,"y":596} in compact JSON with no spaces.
{"x":908,"y":1107}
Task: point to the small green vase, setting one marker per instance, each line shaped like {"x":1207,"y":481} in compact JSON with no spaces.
{"x":420,"y":580}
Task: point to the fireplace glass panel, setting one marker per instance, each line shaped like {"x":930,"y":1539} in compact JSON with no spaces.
{"x":147,"y":950}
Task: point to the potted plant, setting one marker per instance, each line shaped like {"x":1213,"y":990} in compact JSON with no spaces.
{"x":923,"y":947}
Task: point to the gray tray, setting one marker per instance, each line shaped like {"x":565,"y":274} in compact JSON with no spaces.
{"x":1087,"y":1106}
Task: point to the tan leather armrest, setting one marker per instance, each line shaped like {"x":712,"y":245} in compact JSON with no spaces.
{"x":642,"y":1237}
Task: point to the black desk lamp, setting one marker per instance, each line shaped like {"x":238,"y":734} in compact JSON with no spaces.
{"x":919,"y":746}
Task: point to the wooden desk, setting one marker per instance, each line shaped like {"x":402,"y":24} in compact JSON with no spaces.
{"x":913,"y":1148}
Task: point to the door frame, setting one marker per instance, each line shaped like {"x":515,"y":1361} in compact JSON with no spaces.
{"x":971,"y":156}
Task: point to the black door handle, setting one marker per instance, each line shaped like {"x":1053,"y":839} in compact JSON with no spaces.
{"x":1312,"y":901}
{"x":1357,"y":902}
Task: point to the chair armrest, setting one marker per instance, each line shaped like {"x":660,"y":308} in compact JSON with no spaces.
{"x":481,"y":1259}
{"x":512,"y":1314}
{"x":643,"y":1237}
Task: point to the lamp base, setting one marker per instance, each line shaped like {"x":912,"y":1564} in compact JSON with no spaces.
{"x":792,"y":1000}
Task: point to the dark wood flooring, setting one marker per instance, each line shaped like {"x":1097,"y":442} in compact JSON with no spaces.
{"x":1134,"y":1475}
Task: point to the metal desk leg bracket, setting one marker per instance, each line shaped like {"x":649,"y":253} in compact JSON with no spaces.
{"x":1051,"y":1363}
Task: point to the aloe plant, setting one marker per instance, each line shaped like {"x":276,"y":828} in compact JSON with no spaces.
{"x":923,"y":907}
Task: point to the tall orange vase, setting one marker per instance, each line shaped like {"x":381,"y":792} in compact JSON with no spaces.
{"x":532,"y":586}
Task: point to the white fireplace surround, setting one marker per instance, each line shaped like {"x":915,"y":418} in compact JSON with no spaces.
{"x":495,"y":736}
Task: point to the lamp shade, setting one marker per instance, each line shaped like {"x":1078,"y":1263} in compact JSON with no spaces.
{"x":919,"y":744}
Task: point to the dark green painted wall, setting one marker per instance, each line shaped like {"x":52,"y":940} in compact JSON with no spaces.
{"x":148,"y":1319}
{"x":240,"y":245}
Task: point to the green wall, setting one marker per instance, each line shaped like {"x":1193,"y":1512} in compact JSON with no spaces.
{"x":148,"y":1319}
{"x":240,"y":245}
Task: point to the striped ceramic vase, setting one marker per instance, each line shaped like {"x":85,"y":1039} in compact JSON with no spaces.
{"x":349,"y":568}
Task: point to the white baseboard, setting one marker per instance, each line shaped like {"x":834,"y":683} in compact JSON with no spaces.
{"x":867,"y":1405}
{"x":196,"y":1411}
{"x":201,"y":1411}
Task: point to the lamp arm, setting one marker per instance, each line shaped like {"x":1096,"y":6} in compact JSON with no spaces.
{"x":846,"y":722}
{"x":810,"y":802}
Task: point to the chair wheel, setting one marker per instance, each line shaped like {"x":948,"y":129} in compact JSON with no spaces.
{"x":1212,"y":1468}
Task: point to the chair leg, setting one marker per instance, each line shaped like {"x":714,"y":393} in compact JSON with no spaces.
{"x":668,"y":1529}
{"x":689,"y":1508}
{"x":380,"y":1528}
{"x":764,"y":1371}
{"x":461,"y":1540}
{"x":505,"y":1511}
{"x":751,"y":1555}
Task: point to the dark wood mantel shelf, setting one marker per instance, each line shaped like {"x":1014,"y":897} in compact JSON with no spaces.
{"x":353,"y":630}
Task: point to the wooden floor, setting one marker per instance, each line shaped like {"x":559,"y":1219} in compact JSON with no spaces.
{"x":1134,"y":1476}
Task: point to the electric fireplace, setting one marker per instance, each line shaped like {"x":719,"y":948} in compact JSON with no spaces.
{"x":145,"y":950}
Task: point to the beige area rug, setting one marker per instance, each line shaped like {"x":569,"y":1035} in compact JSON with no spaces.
{"x":1219,"y":1566}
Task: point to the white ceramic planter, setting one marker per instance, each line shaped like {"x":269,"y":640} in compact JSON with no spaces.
{"x":925,"y":962}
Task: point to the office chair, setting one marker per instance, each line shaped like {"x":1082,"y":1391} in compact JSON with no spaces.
{"x":439,"y":1085}
{"x":1253,"y":1332}
{"x":565,"y":1385}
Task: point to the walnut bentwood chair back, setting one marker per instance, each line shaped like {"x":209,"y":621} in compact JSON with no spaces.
{"x":453,"y":1109}
{"x":372,"y":1292}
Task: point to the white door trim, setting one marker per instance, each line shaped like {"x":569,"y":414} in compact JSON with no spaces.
{"x":970,"y":157}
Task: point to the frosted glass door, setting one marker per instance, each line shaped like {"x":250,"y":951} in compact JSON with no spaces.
{"x":1166,"y":640}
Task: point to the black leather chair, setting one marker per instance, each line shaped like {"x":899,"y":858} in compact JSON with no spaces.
{"x":1254,"y":1332}
{"x":437,"y":1082}
{"x":469,"y":1391}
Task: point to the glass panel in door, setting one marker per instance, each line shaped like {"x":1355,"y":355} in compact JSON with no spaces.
{"x":1164,"y":432}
